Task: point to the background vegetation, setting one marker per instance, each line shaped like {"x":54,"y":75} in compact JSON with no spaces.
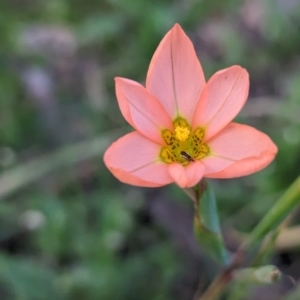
{"x":68,"y":229}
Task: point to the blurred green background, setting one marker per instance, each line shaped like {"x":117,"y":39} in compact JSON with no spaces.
{"x":68,"y":228}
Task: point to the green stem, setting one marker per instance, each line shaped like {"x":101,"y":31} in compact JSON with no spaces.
{"x":275,"y":216}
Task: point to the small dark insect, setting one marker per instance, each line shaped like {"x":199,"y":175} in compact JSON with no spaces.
{"x":186,"y":156}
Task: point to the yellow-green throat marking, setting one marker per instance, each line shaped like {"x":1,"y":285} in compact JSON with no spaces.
{"x":183,"y":146}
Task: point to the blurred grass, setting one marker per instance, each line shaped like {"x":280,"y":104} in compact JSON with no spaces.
{"x":68,"y":229}
{"x":24,"y":174}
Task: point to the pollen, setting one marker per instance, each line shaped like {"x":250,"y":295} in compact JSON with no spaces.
{"x":182,"y":133}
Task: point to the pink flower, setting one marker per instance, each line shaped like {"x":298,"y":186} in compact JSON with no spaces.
{"x":183,"y":125}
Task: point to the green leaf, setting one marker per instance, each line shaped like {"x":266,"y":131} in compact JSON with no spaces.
{"x":206,"y":224}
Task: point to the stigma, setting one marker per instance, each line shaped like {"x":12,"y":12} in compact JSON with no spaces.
{"x":182,"y":133}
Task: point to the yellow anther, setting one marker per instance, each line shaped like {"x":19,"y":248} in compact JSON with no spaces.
{"x":167,"y":155}
{"x":202,"y":151}
{"x":182,"y":133}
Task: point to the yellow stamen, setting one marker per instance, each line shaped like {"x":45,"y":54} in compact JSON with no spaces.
{"x":182,"y":133}
{"x":167,"y":155}
{"x":202,"y":151}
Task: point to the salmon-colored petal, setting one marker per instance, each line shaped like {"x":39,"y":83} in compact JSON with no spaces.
{"x":142,"y":110}
{"x":123,"y":102}
{"x":222,"y":99}
{"x":133,"y":159}
{"x":239,"y":149}
{"x":131,"y":179}
{"x":187,"y":176}
{"x":175,"y":76}
{"x":243,"y":167}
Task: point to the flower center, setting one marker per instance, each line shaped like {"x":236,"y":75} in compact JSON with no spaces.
{"x":182,"y":133}
{"x":182,"y":145}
